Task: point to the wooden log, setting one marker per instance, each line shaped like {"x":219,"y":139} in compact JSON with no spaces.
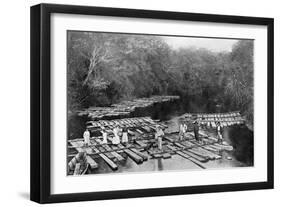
{"x":179,"y":145}
{"x":187,"y":144}
{"x":118,"y":156}
{"x":199,"y":153}
{"x":195,"y":156}
{"x":101,"y":149}
{"x":91,"y":162}
{"x":157,"y":155}
{"x":169,"y":150}
{"x":115,"y":148}
{"x":115,"y":154}
{"x":142,"y":155}
{"x":134,"y":156}
{"x":131,"y":133}
{"x":210,"y":154}
{"x":169,"y":139}
{"x":147,"y":129}
{"x":139,"y":131}
{"x":110,"y":163}
{"x":215,"y":147}
{"x":120,"y":146}
{"x":172,"y":147}
{"x":191,"y":159}
{"x":141,"y":143}
{"x":166,"y":155}
{"x":206,"y":147}
{"x":77,"y":169}
{"x":111,"y":155}
{"x":224,"y":147}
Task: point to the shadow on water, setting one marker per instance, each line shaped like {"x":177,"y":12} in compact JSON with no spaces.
{"x":242,"y":140}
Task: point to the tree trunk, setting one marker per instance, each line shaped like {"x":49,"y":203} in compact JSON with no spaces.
{"x":91,"y":69}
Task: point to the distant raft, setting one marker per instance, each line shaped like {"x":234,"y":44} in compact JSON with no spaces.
{"x":124,"y":108}
{"x":210,"y":120}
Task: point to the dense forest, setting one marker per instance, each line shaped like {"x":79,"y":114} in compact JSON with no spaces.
{"x":105,"y":68}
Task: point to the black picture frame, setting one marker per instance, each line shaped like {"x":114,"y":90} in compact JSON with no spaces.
{"x":41,"y":98}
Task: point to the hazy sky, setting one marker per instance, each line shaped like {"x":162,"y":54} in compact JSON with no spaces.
{"x":215,"y":45}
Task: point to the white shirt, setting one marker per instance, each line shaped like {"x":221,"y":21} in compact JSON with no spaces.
{"x":104,"y":136}
{"x":159,"y":133}
{"x":86,"y":135}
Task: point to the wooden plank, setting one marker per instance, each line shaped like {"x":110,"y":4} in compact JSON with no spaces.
{"x":111,"y":164}
{"x":172,"y":147}
{"x":115,"y":147}
{"x":187,"y":144}
{"x":191,"y":159}
{"x":211,"y":154}
{"x":101,"y":149}
{"x":147,"y":129}
{"x":120,"y":146}
{"x":131,"y":133}
{"x":118,"y":156}
{"x":91,"y":162}
{"x":141,"y":143}
{"x":169,"y":139}
{"x":210,"y":149}
{"x":215,"y":147}
{"x":179,"y":145}
{"x":199,"y":158}
{"x":166,"y":155}
{"x":139,"y":131}
{"x":199,"y":153}
{"x":95,"y":150}
{"x":77,"y":169}
{"x":134,"y":156}
{"x":144,"y":157}
{"x":224,"y":147}
{"x":157,"y":155}
{"x":113,"y":154}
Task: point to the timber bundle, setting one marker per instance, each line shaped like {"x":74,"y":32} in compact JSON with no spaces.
{"x":210,"y":120}
{"x":141,"y":147}
{"x":124,"y":108}
{"x":145,"y":123}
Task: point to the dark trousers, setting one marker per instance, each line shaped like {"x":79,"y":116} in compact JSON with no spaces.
{"x":196,"y":134}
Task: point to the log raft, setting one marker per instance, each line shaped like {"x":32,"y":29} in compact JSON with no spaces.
{"x":124,"y":108}
{"x":142,"y":145}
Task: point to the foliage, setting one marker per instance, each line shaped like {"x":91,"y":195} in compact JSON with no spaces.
{"x":104,"y":68}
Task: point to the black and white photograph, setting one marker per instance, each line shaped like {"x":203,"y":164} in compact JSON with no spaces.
{"x":143,"y":103}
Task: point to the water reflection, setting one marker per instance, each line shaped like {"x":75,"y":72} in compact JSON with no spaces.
{"x":159,"y":164}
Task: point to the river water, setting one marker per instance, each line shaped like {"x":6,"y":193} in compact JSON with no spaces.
{"x":240,"y":137}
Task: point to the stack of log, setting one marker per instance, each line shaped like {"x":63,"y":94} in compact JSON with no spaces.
{"x":124,"y":108}
{"x":140,"y":124}
{"x":211,"y":120}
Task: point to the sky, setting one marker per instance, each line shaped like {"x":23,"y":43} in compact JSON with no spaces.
{"x":213,"y":44}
